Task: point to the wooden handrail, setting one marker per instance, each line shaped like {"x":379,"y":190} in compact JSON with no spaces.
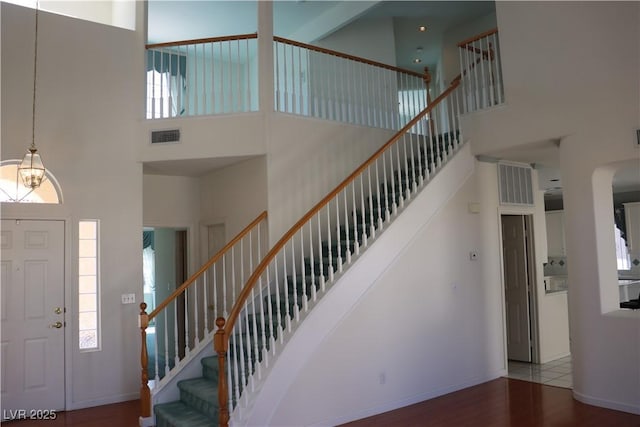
{"x":205,"y":40}
{"x":206,"y":266}
{"x":346,"y":56}
{"x":246,"y":291}
{"x":478,"y":37}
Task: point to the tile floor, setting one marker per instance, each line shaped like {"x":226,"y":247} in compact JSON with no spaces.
{"x":556,"y":373}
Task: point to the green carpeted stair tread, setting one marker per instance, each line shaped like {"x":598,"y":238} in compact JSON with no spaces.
{"x":178,"y":414}
{"x":210,"y":368}
{"x":200,"y":394}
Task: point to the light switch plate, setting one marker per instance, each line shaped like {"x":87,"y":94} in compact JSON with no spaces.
{"x":128,"y":298}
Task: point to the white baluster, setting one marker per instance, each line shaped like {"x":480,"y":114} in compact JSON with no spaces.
{"x":286,"y":288}
{"x":305,"y":302}
{"x":372,"y":229}
{"x":196,"y":332}
{"x":321,"y":270}
{"x":379,"y":219}
{"x":312,"y":268}
{"x":329,"y":251}
{"x":346,"y":225}
{"x":338,"y":240}
{"x":166,"y":343}
{"x":207,"y":329}
{"x":296,"y":311}
{"x":387,"y":213}
{"x":176,"y":355}
{"x":362,"y":214}
{"x":187,"y":347}
{"x":156,"y":352}
{"x":277,"y":293}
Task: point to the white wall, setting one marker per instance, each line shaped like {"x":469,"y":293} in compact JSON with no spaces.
{"x":431,"y":323}
{"x":371,"y":39}
{"x":204,"y":137}
{"x":307,"y":159}
{"x":576,"y":81}
{"x":234,"y":195}
{"x":88,"y":112}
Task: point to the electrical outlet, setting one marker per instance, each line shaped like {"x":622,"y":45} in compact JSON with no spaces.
{"x":128,"y":298}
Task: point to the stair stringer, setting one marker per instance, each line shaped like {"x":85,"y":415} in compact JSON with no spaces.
{"x":342,"y":297}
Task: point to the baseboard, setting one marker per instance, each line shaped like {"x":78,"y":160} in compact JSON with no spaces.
{"x":609,"y":404}
{"x":118,"y":398}
{"x":390,"y":406}
{"x":146,"y":422}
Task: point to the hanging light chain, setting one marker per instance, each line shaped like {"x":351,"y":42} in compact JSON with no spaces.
{"x":35,"y":70}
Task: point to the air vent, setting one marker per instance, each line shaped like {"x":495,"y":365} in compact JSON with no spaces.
{"x":515,"y":184}
{"x":165,"y":136}
{"x":637,"y":137}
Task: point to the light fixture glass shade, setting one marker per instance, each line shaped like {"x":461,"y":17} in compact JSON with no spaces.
{"x":31,"y":169}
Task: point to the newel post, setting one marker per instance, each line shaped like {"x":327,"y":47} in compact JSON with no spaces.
{"x":220,"y":346}
{"x":145,"y":393}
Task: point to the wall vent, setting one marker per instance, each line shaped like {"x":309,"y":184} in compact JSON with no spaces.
{"x":165,"y":136}
{"x":637,"y":137}
{"x":515,"y":184}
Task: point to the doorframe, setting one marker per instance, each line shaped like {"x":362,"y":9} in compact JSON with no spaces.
{"x":13,"y":212}
{"x":528,"y":213}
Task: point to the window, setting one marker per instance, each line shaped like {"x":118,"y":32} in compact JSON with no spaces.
{"x":13,"y":191}
{"x":88,"y":285}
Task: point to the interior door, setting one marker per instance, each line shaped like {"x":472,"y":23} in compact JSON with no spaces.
{"x":516,"y":288}
{"x":33,"y":317}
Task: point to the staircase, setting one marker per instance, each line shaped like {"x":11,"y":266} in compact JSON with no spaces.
{"x":263,"y":325}
{"x":310,"y":258}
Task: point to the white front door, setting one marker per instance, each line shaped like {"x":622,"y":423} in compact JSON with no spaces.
{"x":516,"y":288}
{"x":33,"y":318}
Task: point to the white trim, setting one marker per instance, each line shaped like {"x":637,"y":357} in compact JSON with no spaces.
{"x":603,"y":403}
{"x":117,"y":398}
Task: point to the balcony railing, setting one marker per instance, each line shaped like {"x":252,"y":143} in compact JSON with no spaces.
{"x":481,"y":71}
{"x":220,"y":75}
{"x":202,"y":77}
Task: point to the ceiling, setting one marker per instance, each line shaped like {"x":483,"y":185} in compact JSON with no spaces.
{"x":309,"y":21}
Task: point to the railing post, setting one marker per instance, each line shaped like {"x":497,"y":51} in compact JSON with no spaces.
{"x":220,"y":347}
{"x":427,"y":82}
{"x":145,"y":393}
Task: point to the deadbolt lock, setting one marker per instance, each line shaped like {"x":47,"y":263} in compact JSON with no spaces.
{"x":57,"y":310}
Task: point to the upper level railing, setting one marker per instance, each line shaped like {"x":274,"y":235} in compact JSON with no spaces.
{"x":317,"y":82}
{"x":220,"y":75}
{"x":183,"y":322}
{"x":481,"y":71}
{"x":302,"y":265}
{"x":205,"y":76}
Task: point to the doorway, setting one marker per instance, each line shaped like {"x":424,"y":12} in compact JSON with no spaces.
{"x":33,"y":315}
{"x":518,"y":262}
{"x":165,"y":266}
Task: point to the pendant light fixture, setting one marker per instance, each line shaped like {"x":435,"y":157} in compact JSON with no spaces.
{"x":31,"y":168}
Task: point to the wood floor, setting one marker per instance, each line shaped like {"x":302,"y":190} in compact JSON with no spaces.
{"x":501,"y":402}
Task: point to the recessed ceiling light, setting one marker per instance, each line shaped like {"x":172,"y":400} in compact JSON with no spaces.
{"x":554,"y":180}
{"x":422,"y":28}
{"x":419,"y":49}
{"x":417,"y":60}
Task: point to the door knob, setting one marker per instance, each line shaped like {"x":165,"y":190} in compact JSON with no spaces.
{"x":56,"y":325}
